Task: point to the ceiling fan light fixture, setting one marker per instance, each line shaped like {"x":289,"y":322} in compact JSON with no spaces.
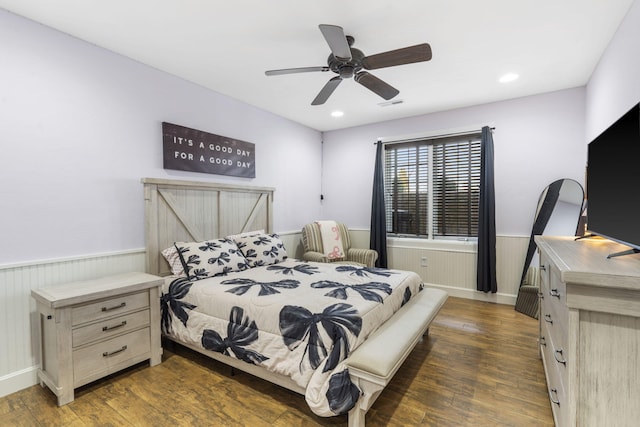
{"x":509,"y":77}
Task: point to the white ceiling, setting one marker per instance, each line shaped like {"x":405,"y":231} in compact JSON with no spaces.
{"x":228,"y":45}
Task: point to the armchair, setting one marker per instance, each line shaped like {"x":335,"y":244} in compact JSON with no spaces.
{"x":313,"y":249}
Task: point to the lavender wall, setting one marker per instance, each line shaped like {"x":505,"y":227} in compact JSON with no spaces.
{"x":80,"y":126}
{"x":538,"y":139}
{"x":614,"y":86}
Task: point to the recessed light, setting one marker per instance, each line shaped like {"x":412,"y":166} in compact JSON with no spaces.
{"x":337,"y":114}
{"x":509,"y":77}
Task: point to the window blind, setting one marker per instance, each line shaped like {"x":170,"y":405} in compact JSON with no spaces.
{"x":432,"y":186}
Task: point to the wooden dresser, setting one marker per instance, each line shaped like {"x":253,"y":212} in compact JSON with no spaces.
{"x":590,"y":331}
{"x":94,"y":328}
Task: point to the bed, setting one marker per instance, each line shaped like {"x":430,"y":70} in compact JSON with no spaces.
{"x":335,"y":333}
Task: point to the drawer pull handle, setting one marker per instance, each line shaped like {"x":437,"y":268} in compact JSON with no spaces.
{"x":111,"y":328}
{"x":111,"y":353}
{"x":554,"y":293}
{"x":547,"y":318}
{"x":543,"y":342}
{"x":563,"y":360}
{"x":122,"y":304}
{"x":543,"y":267}
{"x":551,"y":393}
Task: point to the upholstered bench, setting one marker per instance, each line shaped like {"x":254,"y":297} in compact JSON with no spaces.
{"x":373,"y":364}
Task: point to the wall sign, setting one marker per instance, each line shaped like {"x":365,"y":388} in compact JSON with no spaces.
{"x":193,"y":150}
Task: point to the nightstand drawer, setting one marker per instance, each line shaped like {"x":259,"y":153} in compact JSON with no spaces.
{"x":110,"y":327}
{"x":104,"y":357}
{"x":109,"y":307}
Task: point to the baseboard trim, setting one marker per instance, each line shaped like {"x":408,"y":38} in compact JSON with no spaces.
{"x":497,"y":298}
{"x":18,"y":380}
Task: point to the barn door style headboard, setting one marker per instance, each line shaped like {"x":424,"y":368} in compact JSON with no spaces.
{"x":190,"y":211}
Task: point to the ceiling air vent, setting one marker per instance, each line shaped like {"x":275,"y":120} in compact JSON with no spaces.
{"x":394,"y":102}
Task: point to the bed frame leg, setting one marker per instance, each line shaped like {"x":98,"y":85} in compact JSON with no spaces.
{"x":356,"y":417}
{"x":369,"y":393}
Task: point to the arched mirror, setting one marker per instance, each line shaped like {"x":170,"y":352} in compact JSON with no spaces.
{"x":558,"y":213}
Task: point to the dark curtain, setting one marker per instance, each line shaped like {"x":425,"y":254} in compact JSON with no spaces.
{"x":378,"y":234}
{"x":542,"y":218}
{"x":487,"y":218}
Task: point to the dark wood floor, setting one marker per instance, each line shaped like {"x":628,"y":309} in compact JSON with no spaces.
{"x":478,"y":367}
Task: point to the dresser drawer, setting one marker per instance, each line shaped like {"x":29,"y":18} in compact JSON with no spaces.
{"x":553,"y":309}
{"x":557,"y":397}
{"x":556,"y":352}
{"x":107,"y":328}
{"x":557,"y":290}
{"x":556,"y":387}
{"x":551,"y":287}
{"x":102,"y":358}
{"x":109,"y":307}
{"x":544,"y":272}
{"x":556,"y":318}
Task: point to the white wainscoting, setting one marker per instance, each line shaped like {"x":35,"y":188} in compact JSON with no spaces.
{"x":449,"y":266}
{"x":452,"y":265}
{"x":293,"y":243}
{"x":18,"y":321}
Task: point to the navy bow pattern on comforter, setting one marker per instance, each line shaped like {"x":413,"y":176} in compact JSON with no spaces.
{"x":298,"y":319}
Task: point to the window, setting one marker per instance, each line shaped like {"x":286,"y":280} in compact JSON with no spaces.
{"x":432,"y":186}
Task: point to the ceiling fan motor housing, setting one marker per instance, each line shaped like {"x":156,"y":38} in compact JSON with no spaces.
{"x":346,"y":69}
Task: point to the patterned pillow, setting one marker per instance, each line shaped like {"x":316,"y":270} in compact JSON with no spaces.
{"x":210,"y":258}
{"x":262,"y":249}
{"x":175,"y":262}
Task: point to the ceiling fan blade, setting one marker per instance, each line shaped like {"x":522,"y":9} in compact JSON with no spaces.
{"x":406,"y":55}
{"x":296,"y":70}
{"x":376,"y":85}
{"x":337,"y":41}
{"x":326,"y":91}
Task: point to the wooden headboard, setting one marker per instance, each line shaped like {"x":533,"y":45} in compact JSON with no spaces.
{"x":190,"y":211}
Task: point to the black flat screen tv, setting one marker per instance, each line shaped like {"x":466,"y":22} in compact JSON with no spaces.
{"x":613,"y":182}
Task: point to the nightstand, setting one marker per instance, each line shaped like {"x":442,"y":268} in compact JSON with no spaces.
{"x":93,"y":328}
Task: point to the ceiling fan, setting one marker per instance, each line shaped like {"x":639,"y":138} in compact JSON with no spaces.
{"x":348,"y":62}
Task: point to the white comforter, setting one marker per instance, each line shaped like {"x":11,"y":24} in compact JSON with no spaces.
{"x":299,"y":319}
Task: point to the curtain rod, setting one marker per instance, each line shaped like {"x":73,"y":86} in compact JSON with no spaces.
{"x":398,"y":141}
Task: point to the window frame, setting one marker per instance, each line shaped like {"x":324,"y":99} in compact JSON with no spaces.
{"x":431,"y":232}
